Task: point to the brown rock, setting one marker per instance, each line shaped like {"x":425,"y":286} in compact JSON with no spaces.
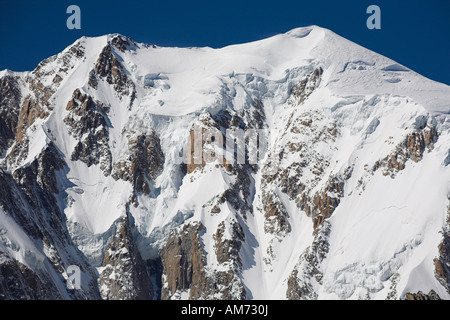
{"x":87,"y":121}
{"x":28,"y":114}
{"x":124,"y":273}
{"x":9,"y":110}
{"x":215,"y":209}
{"x":432,"y":295}
{"x":184,"y":259}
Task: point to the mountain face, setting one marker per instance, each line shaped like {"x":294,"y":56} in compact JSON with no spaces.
{"x":111,"y":160}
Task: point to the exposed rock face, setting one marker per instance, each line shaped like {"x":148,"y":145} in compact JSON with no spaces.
{"x":109,"y":68}
{"x":276,"y":215}
{"x":124,"y":275}
{"x":10,"y":97}
{"x":28,"y":114}
{"x":18,"y":113}
{"x":227,"y":250}
{"x":18,"y":282}
{"x":318,"y":205}
{"x":432,"y":295}
{"x":227,"y":284}
{"x":228,"y":124}
{"x":223,"y":281}
{"x":185,"y":274}
{"x":302,"y":90}
{"x":40,"y":176}
{"x":65,"y":62}
{"x":28,"y":196}
{"x":325,"y":201}
{"x":28,"y":192}
{"x":87,"y":121}
{"x":184,"y":260}
{"x":18,"y":153}
{"x":143,"y":165}
{"x":442,"y":263}
{"x":321,"y":204}
{"x":307,"y":273}
{"x":55,"y":68}
{"x":411,"y":148}
{"x":202,"y":144}
{"x":238,"y":195}
{"x":123,"y":43}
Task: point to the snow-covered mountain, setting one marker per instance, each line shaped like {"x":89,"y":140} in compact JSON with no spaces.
{"x":355,"y":204}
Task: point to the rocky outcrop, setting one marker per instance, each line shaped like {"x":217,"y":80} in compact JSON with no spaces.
{"x":227,"y":250}
{"x":10,"y":98}
{"x":37,"y":183}
{"x":227,"y":284}
{"x":323,"y":203}
{"x":18,"y":282}
{"x":123,"y":43}
{"x":16,"y":124}
{"x":432,"y":295}
{"x":319,"y":205}
{"x":109,"y":68}
{"x":307,"y":131}
{"x":308,"y":272}
{"x":202,"y":141}
{"x":276,"y":221}
{"x":87,"y":121}
{"x":36,"y":105}
{"x":305,"y":181}
{"x":147,"y":160}
{"x":56,"y":68}
{"x":238,"y":194}
{"x":302,"y":90}
{"x":185,"y":273}
{"x":442,"y":263}
{"x":412,"y":148}
{"x":28,"y":196}
{"x":17,"y":154}
{"x":75,"y":52}
{"x":29,"y":112}
{"x":223,"y":281}
{"x":143,"y":164}
{"x":123,"y":273}
{"x":184,"y":259}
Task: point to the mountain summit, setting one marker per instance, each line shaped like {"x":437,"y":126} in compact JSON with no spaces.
{"x":110,"y":161}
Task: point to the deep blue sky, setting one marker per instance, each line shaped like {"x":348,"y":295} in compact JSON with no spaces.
{"x":415,"y":33}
